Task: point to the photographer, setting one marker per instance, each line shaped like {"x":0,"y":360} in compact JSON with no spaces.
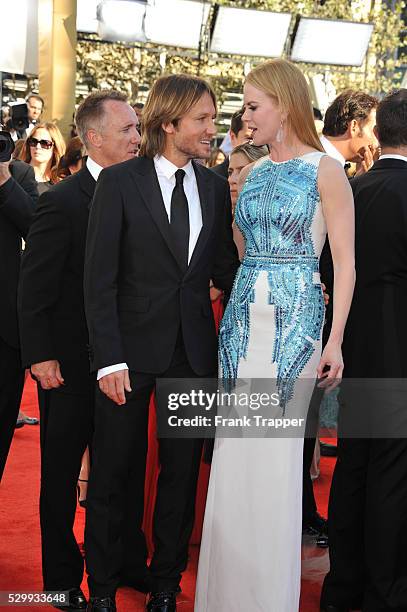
{"x":18,"y":196}
{"x":25,"y":116}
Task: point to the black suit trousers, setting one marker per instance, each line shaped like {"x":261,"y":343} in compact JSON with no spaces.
{"x":66,"y":429}
{"x":11,"y":389}
{"x":119,"y":460}
{"x":368,"y":526}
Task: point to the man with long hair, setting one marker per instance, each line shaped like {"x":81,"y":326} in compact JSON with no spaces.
{"x":54,"y":341}
{"x":159,"y":230}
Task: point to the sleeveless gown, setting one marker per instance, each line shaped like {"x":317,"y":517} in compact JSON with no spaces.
{"x":250,"y":557}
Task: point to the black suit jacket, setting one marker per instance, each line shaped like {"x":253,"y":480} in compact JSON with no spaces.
{"x":51,"y":303}
{"x":18,"y":197}
{"x":376,"y":333}
{"x":222,"y":169}
{"x":136,"y":295}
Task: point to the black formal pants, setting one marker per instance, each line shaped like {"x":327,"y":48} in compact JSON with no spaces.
{"x":368,"y":526}
{"x":66,"y":427}
{"x":11,"y":390}
{"x":309,"y":506}
{"x":119,"y":458}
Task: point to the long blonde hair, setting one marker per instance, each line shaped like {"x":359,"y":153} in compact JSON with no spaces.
{"x":284,"y":82}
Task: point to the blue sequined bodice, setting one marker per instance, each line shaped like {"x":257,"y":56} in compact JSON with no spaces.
{"x":277,"y":206}
{"x":279,"y":213}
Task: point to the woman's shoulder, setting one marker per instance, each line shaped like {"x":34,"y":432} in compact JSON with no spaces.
{"x":330,"y":170}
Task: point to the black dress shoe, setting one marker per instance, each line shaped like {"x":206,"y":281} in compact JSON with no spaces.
{"x":77,"y":601}
{"x":315,"y":525}
{"x":328,"y":450}
{"x":101,"y":604}
{"x":162,"y":602}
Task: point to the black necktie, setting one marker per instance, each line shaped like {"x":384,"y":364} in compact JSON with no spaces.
{"x":180,"y":219}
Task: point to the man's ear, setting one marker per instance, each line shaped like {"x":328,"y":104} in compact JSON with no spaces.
{"x":94,"y":138}
{"x":168,"y":128}
{"x":353,"y":128}
{"x":376,"y":132}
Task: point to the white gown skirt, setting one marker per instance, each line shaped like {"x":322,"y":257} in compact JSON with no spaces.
{"x":250,"y":558}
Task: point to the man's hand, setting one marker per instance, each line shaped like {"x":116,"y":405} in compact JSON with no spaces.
{"x":367,"y":159}
{"x":114,"y":385}
{"x":4,"y":172}
{"x":214,"y":293}
{"x":48,"y":374}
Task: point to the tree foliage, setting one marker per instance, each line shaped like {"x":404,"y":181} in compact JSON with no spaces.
{"x":126,"y":67}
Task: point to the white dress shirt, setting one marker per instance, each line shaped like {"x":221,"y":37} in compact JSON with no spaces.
{"x":166,"y":178}
{"x":332,"y":150}
{"x":93,"y":168}
{"x":393,"y":156}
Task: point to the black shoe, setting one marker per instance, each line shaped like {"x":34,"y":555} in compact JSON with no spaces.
{"x":331,"y":608}
{"x":77,"y":601}
{"x":143,"y":585}
{"x":101,"y":604}
{"x":328,"y":450}
{"x":315,"y":525}
{"x":162,"y":602}
{"x":19,"y":423}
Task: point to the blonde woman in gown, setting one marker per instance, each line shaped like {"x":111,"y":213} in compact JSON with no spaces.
{"x":250,"y":558}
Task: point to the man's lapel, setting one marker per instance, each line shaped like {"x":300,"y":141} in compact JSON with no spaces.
{"x":145,"y":176}
{"x":206,"y":196}
{"x":87,"y":182}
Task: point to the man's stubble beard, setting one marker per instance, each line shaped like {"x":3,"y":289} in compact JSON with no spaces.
{"x":190,"y":154}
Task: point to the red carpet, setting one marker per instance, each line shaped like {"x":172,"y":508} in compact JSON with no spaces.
{"x":20,"y":547}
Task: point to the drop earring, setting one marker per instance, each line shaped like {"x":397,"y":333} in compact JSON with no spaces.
{"x":279,"y":135}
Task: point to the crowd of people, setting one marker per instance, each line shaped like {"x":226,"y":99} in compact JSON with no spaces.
{"x":134,"y":238}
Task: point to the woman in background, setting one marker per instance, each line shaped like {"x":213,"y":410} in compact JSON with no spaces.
{"x":43,"y":150}
{"x":241,"y":156}
{"x":72,"y":160}
{"x":217,"y":157}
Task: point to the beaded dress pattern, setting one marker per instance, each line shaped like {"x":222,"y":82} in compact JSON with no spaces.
{"x":275,"y":212}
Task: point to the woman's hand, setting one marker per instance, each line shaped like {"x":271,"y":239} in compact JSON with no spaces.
{"x":331,"y":358}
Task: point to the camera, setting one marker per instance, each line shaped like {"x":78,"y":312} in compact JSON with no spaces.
{"x":6,"y":146}
{"x":19,"y":117}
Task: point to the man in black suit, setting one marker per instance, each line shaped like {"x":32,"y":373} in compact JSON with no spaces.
{"x":18,"y":196}
{"x":159,"y":230}
{"x":368,"y":501}
{"x":54,"y":337}
{"x":239,"y":133}
{"x":347,"y":135}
